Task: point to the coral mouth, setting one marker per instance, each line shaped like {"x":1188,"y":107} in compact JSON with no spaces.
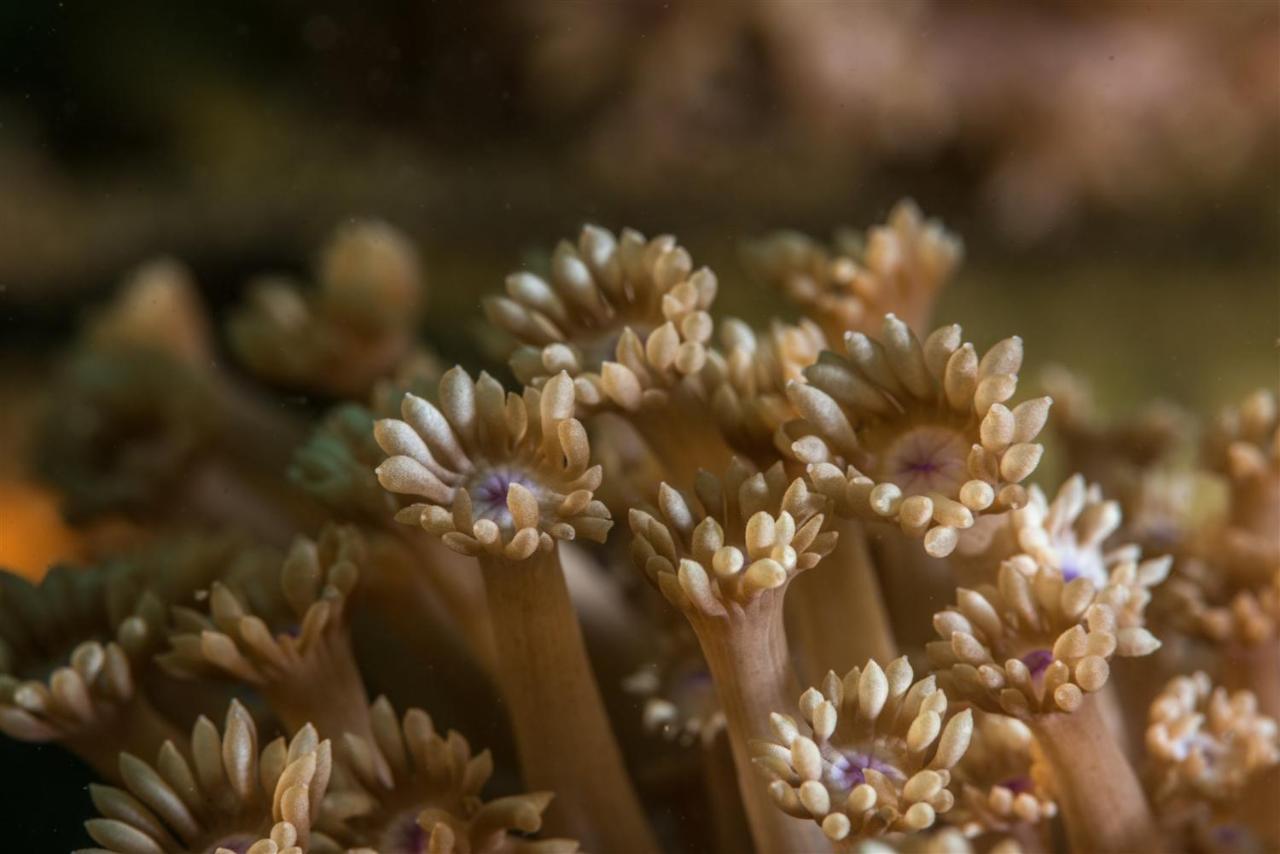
{"x":489,"y":494}
{"x":849,"y":770}
{"x":927,"y":459}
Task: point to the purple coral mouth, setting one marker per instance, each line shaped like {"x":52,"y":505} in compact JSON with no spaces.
{"x":928,"y":459}
{"x":850,"y":768}
{"x":1037,"y":661}
{"x":489,"y":494}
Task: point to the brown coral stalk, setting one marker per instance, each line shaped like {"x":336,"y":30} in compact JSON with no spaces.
{"x":219,"y":494}
{"x":729,"y":823}
{"x":683,"y":436}
{"x":452,"y":578}
{"x":562,"y":732}
{"x":1256,"y":668}
{"x":138,"y":729}
{"x":915,"y":586}
{"x":749,"y":663}
{"x":1101,"y":798}
{"x":837,"y":619}
{"x":327,"y":692}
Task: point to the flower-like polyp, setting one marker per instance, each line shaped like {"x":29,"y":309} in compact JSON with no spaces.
{"x":1206,"y":743}
{"x":1229,"y":591}
{"x":1069,"y":534}
{"x":1244,"y":446}
{"x":505,"y":478}
{"x":502,"y":474}
{"x":619,"y":314}
{"x":1035,"y":643}
{"x":71,"y":651}
{"x":414,"y":790}
{"x":999,"y":784}
{"x":755,"y":532}
{"x":1209,"y":753}
{"x":1034,"y":646}
{"x":899,"y":267}
{"x":917,"y":433}
{"x":345,"y":335}
{"x":872,"y":755}
{"x":285,"y":632}
{"x":216,"y":793}
{"x":726,"y":566}
{"x":747,"y":381}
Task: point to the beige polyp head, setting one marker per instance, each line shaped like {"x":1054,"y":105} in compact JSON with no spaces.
{"x":896,"y":268}
{"x":1204,"y":743}
{"x":747,"y":533}
{"x":1034,"y":643}
{"x":872,"y":754}
{"x":502,"y":474}
{"x":218,"y":791}
{"x":1069,"y":534}
{"x":71,"y":649}
{"x":411,"y":783}
{"x":917,"y":433}
{"x":999,"y":782}
{"x":747,"y":381}
{"x":370,"y":276}
{"x":267,"y":627}
{"x":621,"y":315}
{"x":1244,"y":447}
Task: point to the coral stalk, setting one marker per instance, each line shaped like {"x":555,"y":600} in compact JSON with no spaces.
{"x":838,"y":618}
{"x":1101,"y":799}
{"x":138,"y":729}
{"x":563,"y":736}
{"x":750,"y":665}
{"x":1256,"y":668}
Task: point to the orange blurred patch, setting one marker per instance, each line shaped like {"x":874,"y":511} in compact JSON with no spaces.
{"x":32,"y":533}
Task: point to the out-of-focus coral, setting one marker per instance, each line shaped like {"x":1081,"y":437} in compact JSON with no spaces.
{"x":353,"y":330}
{"x":1175,"y":99}
{"x":897,"y":268}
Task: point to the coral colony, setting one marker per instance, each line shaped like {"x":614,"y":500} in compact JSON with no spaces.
{"x":700,"y":586}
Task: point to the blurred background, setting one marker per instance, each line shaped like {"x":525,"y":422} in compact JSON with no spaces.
{"x":1113,"y":166}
